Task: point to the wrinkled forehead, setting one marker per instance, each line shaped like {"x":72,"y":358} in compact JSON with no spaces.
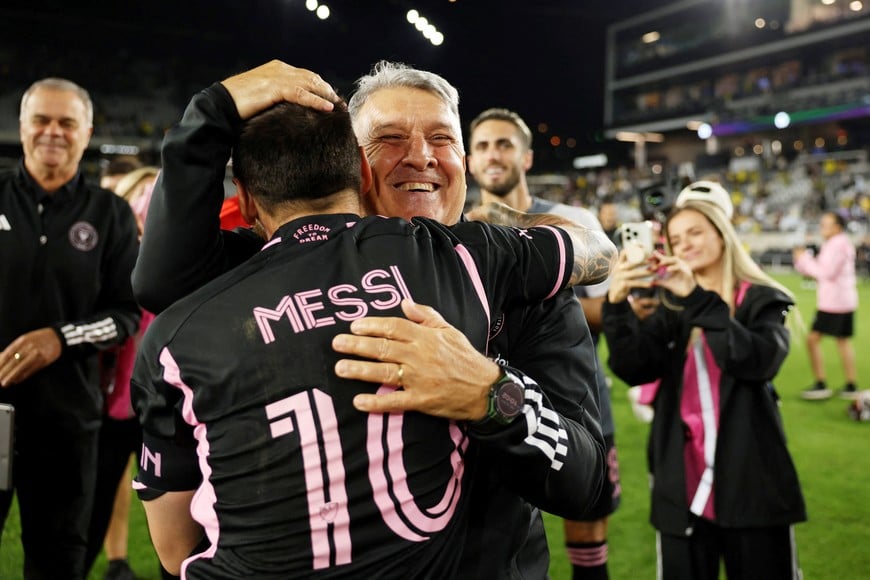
{"x":55,"y":103}
{"x":406,"y":108}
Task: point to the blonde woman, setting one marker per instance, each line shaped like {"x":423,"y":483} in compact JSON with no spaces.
{"x":120,"y":434}
{"x":135,"y":188}
{"x":724,"y":486}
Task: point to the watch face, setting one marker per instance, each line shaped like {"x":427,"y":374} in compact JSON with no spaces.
{"x":509,"y":399}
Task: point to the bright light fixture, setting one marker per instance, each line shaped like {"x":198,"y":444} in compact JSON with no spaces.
{"x":429,"y":31}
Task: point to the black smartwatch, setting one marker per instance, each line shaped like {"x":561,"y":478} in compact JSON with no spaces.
{"x":506,"y":398}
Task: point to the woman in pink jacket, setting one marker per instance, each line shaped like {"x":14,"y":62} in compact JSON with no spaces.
{"x":836,"y":302}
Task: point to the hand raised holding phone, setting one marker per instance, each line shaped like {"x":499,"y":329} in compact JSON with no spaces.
{"x":637,"y":241}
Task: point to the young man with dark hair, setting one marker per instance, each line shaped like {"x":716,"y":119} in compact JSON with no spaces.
{"x":500,"y":146}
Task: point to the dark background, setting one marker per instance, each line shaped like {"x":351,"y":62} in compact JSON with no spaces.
{"x":544,"y":59}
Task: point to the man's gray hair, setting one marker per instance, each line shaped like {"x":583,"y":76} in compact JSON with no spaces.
{"x":58,"y":84}
{"x":386,"y":74}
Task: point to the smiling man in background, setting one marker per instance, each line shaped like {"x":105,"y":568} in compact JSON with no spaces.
{"x":67,"y":249}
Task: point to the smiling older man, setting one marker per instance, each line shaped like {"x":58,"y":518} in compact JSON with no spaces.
{"x":67,"y":249}
{"x":407,"y":121}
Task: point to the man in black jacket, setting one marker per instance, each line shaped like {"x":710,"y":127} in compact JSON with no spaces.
{"x":418,"y":168}
{"x":67,"y":250}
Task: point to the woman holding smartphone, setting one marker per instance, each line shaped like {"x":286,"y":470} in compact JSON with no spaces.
{"x":724,"y":486}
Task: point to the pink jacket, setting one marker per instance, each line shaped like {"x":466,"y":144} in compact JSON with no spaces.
{"x":834,"y":271}
{"x":118,"y":404}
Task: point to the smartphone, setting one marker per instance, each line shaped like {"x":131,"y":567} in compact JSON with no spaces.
{"x":7,"y":440}
{"x":637,"y":240}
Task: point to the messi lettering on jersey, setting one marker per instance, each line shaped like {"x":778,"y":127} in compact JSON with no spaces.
{"x":379,"y":289}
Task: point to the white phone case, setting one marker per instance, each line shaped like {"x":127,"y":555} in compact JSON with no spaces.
{"x":637,"y":240}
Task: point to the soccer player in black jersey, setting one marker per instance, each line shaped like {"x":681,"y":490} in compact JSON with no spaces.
{"x":183,"y":247}
{"x":242,"y":415}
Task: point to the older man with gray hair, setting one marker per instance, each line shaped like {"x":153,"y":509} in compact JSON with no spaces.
{"x":407,"y":122}
{"x":67,"y":249}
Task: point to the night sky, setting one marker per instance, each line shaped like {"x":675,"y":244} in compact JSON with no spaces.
{"x":544,"y":59}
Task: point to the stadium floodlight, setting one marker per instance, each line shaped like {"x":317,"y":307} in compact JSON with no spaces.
{"x":311,"y":5}
{"x":323,"y":11}
{"x":429,"y":31}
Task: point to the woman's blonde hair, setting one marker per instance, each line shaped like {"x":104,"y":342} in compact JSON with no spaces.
{"x":738,"y":265}
{"x":126,"y":187}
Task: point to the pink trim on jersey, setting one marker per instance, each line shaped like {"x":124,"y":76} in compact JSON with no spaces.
{"x":318,"y":507}
{"x":471,"y":267}
{"x":271,"y":243}
{"x":397,"y":497}
{"x":202,"y":504}
{"x":400,"y":282}
{"x":563,"y":255}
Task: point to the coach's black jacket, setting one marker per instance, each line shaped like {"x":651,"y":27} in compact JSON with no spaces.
{"x":65,"y":263}
{"x":755,"y":482}
{"x":183,"y":248}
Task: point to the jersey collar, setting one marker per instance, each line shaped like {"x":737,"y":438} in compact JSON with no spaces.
{"x":313,"y":229}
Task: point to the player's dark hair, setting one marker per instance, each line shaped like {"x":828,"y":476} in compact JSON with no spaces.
{"x":290,"y":152}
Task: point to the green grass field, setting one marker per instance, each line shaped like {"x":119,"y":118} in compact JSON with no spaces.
{"x":832,"y":455}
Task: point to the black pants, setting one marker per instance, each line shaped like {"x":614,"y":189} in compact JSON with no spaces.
{"x":748,"y":553}
{"x":117,"y":440}
{"x":54,"y":471}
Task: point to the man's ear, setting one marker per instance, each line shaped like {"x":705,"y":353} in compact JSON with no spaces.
{"x":528,"y":158}
{"x":247,"y":207}
{"x":366,"y":178}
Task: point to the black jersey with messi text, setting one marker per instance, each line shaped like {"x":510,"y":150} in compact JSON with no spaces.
{"x":236,"y":391}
